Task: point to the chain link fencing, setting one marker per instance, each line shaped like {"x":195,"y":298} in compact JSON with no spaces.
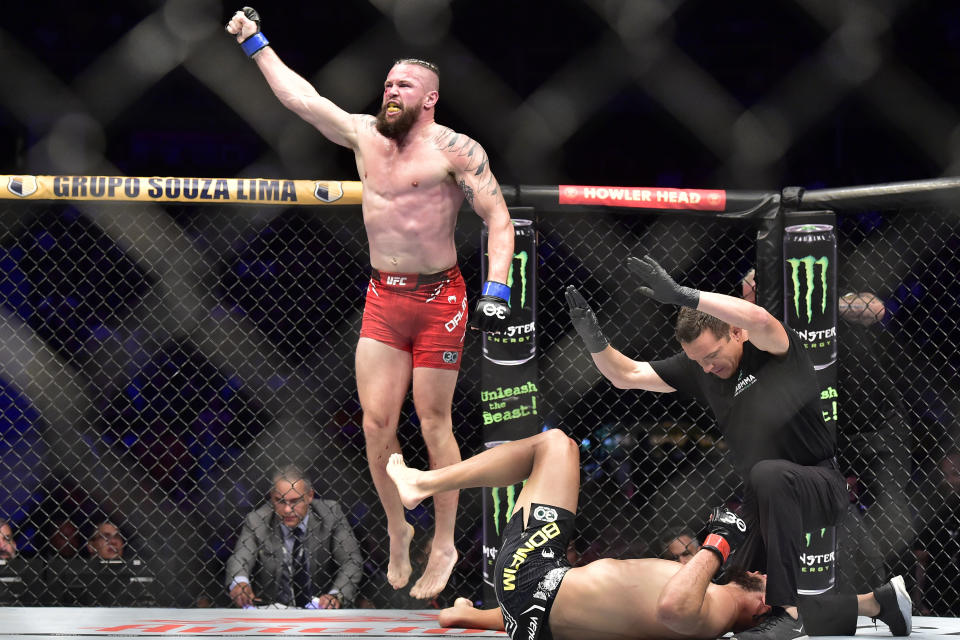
{"x":160,"y":362}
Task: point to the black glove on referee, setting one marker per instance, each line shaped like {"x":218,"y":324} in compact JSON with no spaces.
{"x":660,"y":286}
{"x":585,"y":321}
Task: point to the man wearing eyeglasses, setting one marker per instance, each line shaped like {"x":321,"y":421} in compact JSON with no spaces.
{"x":302,"y":549}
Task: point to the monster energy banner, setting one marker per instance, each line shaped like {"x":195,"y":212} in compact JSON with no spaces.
{"x":509,"y":380}
{"x":810,"y":288}
{"x":810,"y":296}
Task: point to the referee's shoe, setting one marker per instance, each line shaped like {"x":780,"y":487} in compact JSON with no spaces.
{"x":776,"y":625}
{"x":895,"y":606}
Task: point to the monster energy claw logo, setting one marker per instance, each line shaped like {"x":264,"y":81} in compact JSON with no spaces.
{"x":522,"y":257}
{"x":808,"y":265}
{"x":808,"y":534}
{"x":511,"y":501}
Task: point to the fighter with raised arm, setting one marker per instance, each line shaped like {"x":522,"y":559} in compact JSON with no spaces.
{"x":415,"y":175}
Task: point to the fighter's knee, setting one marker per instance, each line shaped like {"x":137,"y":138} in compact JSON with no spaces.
{"x":560,"y":442}
{"x":375,"y":426}
{"x":768,"y":475}
{"x":436,"y":430}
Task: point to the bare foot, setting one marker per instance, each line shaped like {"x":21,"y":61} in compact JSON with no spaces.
{"x":435,"y":576}
{"x":399,"y":569}
{"x":406,"y":480}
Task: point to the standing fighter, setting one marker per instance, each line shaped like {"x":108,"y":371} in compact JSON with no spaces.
{"x":762,"y":388}
{"x":415,"y":174}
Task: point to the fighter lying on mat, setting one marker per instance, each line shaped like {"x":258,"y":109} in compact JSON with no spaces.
{"x":542,"y":596}
{"x":824,"y":615}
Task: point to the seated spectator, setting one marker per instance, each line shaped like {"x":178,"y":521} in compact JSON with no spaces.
{"x":8,"y":546}
{"x":302,"y":550}
{"x":20,"y":583}
{"x":106,"y":543}
{"x":937,"y":548}
{"x":680,"y":546}
{"x":111,"y":576}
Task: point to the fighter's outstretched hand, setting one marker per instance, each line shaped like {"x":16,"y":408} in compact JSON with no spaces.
{"x":244,"y":24}
{"x":659,"y":285}
{"x":585,"y":321}
{"x":725,"y":532}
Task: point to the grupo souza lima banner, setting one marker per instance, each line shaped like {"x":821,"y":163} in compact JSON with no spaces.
{"x":172,"y":189}
{"x":645,"y":197}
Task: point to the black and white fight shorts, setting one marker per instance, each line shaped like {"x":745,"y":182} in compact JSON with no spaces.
{"x":530,"y":565}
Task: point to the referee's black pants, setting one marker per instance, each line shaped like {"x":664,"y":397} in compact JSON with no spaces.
{"x":783,"y":500}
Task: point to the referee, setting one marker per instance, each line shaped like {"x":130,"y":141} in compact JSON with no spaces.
{"x":762,"y":388}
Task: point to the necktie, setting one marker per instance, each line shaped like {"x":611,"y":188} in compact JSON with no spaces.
{"x":301,"y":574}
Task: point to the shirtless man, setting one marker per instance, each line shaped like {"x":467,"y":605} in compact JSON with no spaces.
{"x":825,"y":615}
{"x":415,"y":174}
{"x":542,"y":596}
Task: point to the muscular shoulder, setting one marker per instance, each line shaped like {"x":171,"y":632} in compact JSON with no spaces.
{"x":366,"y":125}
{"x":463,"y":152}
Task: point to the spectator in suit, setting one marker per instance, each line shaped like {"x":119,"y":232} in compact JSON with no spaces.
{"x":302,"y":549}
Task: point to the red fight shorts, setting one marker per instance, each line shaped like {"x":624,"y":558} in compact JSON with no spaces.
{"x":423,"y":314}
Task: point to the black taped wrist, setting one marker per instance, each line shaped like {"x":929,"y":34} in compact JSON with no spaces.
{"x":688,"y":297}
{"x":594,"y":339}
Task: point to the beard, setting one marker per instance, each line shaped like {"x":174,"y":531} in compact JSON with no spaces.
{"x":398,"y":128}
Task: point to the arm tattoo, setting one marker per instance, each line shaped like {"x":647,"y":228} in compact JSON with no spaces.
{"x":467,"y":191}
{"x":477,"y":162}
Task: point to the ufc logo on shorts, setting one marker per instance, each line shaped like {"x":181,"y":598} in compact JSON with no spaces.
{"x":490,"y":309}
{"x":397,"y":281}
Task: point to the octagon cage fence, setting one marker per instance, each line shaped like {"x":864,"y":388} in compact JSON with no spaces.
{"x":162,"y":357}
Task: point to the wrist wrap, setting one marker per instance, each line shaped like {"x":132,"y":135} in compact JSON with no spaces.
{"x":718,"y":545}
{"x":254,"y":43}
{"x":497,"y":289}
